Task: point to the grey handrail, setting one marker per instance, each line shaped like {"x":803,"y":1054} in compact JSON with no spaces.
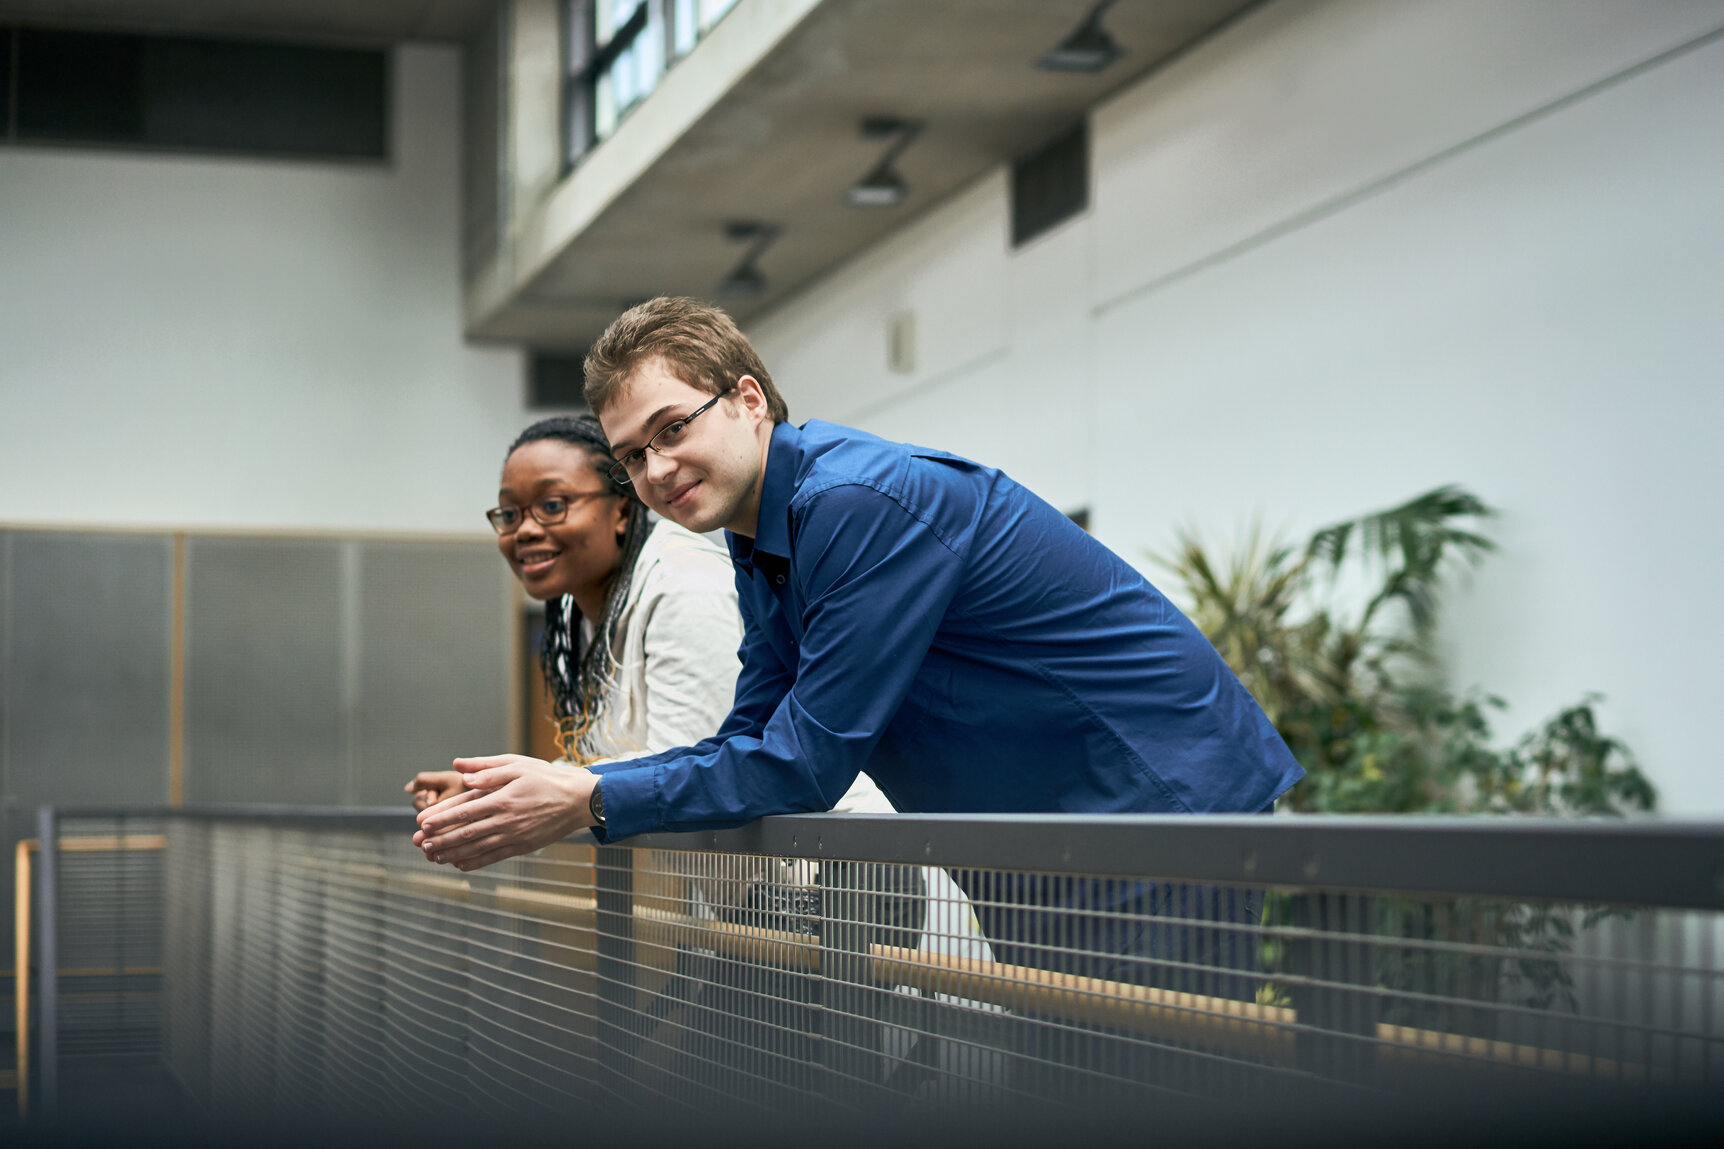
{"x":1672,"y":862}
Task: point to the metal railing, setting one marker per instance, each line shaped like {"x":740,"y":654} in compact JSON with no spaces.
{"x":100,"y":931}
{"x":313,"y":963}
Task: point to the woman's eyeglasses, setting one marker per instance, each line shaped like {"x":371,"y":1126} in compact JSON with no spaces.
{"x":548,"y":511}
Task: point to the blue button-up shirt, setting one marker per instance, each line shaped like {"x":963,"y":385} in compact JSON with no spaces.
{"x":924,"y":618}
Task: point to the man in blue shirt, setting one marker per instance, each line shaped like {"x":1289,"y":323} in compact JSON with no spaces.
{"x":907,"y":612}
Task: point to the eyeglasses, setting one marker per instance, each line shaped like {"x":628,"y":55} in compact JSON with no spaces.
{"x":667,"y":439}
{"x":548,"y":511}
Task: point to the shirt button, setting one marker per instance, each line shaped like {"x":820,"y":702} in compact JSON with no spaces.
{"x":779,"y":580}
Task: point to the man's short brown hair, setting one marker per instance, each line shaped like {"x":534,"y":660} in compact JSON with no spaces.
{"x":700,"y":343}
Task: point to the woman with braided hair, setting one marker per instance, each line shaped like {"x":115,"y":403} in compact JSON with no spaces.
{"x":641,"y":624}
{"x":640,"y":655}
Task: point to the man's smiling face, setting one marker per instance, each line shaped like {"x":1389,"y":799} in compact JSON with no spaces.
{"x":710,"y":477}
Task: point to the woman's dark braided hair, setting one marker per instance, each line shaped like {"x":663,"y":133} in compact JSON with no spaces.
{"x":576,"y":677}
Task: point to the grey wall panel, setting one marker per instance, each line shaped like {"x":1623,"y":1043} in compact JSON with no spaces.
{"x":6,"y":800}
{"x":8,"y":804}
{"x":87,"y":651}
{"x":11,"y":816}
{"x":434,"y":661}
{"x":264,"y":701}
{"x":84,"y":669}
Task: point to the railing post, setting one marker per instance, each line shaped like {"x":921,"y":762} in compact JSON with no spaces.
{"x":48,"y":961}
{"x":614,"y":900}
{"x":850,"y":1045}
{"x":1337,"y":1023}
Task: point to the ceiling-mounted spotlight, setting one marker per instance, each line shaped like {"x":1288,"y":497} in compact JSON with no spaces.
{"x":883,"y":186}
{"x":1089,"y":49}
{"x":746,"y":280}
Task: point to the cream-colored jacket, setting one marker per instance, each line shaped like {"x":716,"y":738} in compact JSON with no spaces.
{"x":674,"y":652}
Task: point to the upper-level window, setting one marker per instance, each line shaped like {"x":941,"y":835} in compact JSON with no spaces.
{"x":614,"y":54}
{"x":190,"y":94}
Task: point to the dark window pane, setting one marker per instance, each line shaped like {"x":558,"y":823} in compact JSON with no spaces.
{"x":577,"y":36}
{"x":1050,"y":185}
{"x":77,"y":86}
{"x":202,"y":95}
{"x":578,"y":125}
{"x":556,"y":380}
{"x":264,"y":98}
{"x":580,"y":133}
{"x":8,"y":45}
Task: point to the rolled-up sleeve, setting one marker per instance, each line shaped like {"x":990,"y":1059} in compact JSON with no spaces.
{"x":877,"y":582}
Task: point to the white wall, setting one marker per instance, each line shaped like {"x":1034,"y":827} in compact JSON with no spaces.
{"x":196,"y":341}
{"x":1340,"y":254}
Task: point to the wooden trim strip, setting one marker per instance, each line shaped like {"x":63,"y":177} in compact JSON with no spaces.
{"x":97,"y":971}
{"x":1428,"y":1048}
{"x":111,"y":844}
{"x":780,"y":947}
{"x":21,"y":962}
{"x":1214,"y":1022}
{"x":519,"y":705}
{"x":1264,"y":1031}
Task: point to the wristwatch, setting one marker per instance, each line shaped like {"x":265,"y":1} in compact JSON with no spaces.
{"x":596,"y":805}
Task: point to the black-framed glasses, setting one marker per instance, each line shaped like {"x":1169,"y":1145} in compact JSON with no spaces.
{"x":546,"y":511}
{"x":666,"y":439}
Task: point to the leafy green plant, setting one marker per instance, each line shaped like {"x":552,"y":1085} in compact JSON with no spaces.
{"x":1335,"y":639}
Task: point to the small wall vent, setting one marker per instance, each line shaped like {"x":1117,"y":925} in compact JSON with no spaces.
{"x":1050,"y":185}
{"x":556,"y":381}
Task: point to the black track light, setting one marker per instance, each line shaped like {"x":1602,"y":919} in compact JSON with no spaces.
{"x":883,"y":186}
{"x":746,"y":280}
{"x":1088,"y":49}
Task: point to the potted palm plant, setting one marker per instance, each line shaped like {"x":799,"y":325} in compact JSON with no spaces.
{"x":1335,"y":638}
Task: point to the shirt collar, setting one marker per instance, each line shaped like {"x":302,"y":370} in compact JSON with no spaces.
{"x":783,"y":456}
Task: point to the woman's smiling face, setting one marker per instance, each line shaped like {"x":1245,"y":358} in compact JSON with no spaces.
{"x":578,"y":555}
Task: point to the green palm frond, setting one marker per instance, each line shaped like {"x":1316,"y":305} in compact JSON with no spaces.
{"x":1353,"y":691}
{"x":1410,"y":547}
{"x":1242,"y":607}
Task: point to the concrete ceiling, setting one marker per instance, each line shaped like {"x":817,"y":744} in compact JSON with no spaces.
{"x":370,"y":22}
{"x":784,"y":144}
